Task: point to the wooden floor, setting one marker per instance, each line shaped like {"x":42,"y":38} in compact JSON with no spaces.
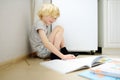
{"x":30,"y":69}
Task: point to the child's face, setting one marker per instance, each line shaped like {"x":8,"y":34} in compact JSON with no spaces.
{"x":49,"y":20}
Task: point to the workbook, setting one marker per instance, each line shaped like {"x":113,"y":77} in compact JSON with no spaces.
{"x":92,"y":76}
{"x":111,"y":68}
{"x":67,"y":66}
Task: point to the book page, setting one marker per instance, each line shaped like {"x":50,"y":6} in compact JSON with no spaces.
{"x":66,"y":66}
{"x":63,"y":66}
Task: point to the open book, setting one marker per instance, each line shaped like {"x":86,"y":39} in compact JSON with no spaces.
{"x":66,"y":66}
{"x":111,"y":68}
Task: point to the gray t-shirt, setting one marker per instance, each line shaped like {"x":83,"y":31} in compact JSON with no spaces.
{"x":36,"y":43}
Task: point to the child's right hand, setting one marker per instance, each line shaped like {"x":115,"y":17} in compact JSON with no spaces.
{"x":68,"y":56}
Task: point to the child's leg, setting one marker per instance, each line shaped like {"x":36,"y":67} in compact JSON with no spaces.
{"x":56,"y":38}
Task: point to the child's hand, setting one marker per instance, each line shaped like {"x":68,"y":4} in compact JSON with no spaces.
{"x":68,"y":56}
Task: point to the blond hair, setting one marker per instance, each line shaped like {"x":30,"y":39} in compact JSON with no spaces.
{"x":49,"y":9}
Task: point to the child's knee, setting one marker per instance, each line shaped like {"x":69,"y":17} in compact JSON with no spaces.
{"x":59,"y":28}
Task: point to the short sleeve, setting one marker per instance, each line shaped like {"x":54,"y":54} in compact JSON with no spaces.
{"x":39,"y":25}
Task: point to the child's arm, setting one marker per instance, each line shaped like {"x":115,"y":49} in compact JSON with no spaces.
{"x":51,"y":47}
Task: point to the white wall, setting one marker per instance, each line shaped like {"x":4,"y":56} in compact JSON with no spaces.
{"x":80,"y":24}
{"x":36,"y":4}
{"x":15,"y":23}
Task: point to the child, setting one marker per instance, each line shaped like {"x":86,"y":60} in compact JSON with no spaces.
{"x":45,"y":44}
